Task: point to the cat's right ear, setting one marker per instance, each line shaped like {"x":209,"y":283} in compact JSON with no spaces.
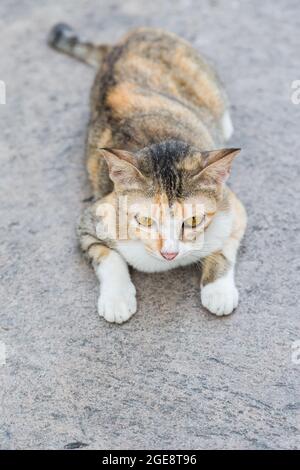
{"x":123,"y":170}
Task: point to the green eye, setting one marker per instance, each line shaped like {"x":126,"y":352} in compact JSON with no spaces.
{"x":145,"y":221}
{"x":194,"y":221}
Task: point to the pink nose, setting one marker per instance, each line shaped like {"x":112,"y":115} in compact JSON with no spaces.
{"x":168,"y":256}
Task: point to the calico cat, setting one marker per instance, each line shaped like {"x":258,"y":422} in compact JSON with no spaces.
{"x":157,"y":165}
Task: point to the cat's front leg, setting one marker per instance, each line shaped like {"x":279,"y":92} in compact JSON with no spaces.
{"x":218,"y":291}
{"x":117,"y":299}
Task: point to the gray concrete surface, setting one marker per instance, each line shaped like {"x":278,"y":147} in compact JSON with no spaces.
{"x":175,"y":376}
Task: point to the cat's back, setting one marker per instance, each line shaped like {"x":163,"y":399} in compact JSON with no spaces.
{"x":154,"y":63}
{"x":152,"y":87}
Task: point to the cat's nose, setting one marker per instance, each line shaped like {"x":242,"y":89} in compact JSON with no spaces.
{"x":168,"y":255}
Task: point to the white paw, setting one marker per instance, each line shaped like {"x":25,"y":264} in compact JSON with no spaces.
{"x":117,"y":304}
{"x":220,"y":297}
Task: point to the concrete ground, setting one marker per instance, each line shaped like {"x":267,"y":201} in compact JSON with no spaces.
{"x":174,"y":376}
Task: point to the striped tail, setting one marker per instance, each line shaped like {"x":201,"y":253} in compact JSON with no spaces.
{"x":64,"y":39}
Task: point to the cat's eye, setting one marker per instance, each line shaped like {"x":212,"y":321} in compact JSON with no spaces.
{"x":193,"y":222}
{"x":145,"y":221}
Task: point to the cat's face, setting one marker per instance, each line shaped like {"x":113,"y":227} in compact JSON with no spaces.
{"x":168,"y":230}
{"x":168,"y":197}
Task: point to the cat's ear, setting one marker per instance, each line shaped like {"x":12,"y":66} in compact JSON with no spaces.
{"x":216,"y":165}
{"x":123,"y":171}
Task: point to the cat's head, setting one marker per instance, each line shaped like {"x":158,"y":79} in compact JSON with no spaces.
{"x":168,"y":194}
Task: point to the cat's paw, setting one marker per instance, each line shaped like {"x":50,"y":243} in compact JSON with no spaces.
{"x":117,"y":305}
{"x":220,"y":297}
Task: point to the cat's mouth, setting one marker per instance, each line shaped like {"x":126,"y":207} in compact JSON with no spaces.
{"x":169,"y":255}
{"x":154,"y":254}
{"x":164,"y":256}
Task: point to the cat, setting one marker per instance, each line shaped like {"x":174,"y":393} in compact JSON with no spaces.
{"x":158,"y":168}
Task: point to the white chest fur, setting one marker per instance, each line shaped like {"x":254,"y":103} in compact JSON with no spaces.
{"x":137,"y":256}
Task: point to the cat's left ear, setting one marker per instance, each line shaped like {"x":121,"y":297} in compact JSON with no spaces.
{"x":122,"y":166}
{"x":216,"y":164}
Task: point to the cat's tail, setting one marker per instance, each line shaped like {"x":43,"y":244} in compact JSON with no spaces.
{"x":64,"y":39}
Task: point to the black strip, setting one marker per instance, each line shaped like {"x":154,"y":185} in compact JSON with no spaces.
{"x":150,"y":458}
